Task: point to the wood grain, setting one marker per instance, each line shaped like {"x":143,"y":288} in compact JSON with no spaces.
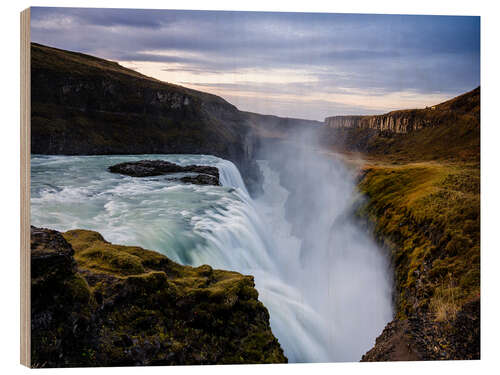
{"x":25,"y":188}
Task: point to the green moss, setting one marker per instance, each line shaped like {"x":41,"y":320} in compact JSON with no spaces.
{"x":78,"y":289}
{"x":168,"y":312}
{"x":428,"y":215}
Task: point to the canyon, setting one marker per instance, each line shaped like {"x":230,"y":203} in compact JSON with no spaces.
{"x":417,"y":171}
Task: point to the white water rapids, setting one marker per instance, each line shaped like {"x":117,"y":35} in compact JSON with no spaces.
{"x":326,"y":287}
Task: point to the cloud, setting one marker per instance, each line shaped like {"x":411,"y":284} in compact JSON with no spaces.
{"x":377,"y":55}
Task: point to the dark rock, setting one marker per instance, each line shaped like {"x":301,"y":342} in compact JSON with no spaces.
{"x":201,"y":179}
{"x":145,"y":168}
{"x":421,"y":337}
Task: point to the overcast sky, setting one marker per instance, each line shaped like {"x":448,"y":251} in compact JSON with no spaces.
{"x":289,"y":64}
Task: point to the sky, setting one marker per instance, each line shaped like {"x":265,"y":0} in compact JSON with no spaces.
{"x":304,"y":65}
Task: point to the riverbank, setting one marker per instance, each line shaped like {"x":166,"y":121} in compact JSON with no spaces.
{"x":427,"y":216}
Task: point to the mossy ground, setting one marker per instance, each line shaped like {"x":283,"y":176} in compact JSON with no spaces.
{"x":421,"y":193}
{"x":428,"y":215}
{"x":196,"y":314}
{"x":131,"y":306}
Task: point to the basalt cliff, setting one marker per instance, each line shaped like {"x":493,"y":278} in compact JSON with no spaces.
{"x":406,"y":121}
{"x":448,"y":131}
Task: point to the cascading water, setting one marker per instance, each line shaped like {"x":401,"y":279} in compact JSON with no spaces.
{"x":326,"y":290}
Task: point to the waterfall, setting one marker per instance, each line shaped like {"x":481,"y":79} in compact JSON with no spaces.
{"x":322,"y":279}
{"x":326,"y":286}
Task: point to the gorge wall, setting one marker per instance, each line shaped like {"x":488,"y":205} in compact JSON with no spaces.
{"x":405,"y":121}
{"x":395,"y":122}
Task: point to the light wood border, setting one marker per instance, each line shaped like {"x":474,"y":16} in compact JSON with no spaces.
{"x":25,"y":187}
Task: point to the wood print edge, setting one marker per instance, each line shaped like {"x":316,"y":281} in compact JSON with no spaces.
{"x":25,"y":116}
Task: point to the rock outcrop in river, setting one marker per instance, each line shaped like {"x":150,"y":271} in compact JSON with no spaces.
{"x":99,"y":304}
{"x":205,"y":175}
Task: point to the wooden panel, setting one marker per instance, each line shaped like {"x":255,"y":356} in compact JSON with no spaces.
{"x":25,"y":188}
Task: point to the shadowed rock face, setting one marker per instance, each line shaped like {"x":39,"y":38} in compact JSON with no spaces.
{"x":99,"y":304}
{"x":422,"y":338}
{"x":208,"y":175}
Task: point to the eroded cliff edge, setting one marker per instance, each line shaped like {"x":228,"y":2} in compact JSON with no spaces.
{"x":99,"y":304}
{"x":410,"y":120}
{"x":427,"y":217}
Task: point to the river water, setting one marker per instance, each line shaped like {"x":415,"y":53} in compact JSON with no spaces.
{"x":326,"y":287}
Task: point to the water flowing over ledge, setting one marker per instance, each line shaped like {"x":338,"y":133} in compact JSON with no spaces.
{"x":326,"y":287}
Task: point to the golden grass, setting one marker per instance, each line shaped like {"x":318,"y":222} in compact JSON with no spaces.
{"x":445,"y":304}
{"x":428,"y":215}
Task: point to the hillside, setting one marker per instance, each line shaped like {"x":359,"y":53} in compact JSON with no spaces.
{"x":446,"y":131}
{"x":274,"y":127}
{"x":86,"y":105}
{"x":420,"y":196}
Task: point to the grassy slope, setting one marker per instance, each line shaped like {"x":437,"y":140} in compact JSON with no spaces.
{"x":207,"y":315}
{"x":428,"y":214}
{"x":423,"y":200}
{"x":83,"y":65}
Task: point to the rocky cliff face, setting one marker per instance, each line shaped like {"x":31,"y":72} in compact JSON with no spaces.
{"x":421,"y":338}
{"x":394,"y":122}
{"x":99,"y":304}
{"x":448,"y":131}
{"x":427,"y":217}
{"x":406,"y":121}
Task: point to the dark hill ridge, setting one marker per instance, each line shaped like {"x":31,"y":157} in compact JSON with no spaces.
{"x":83,"y":105}
{"x":272,"y":127}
